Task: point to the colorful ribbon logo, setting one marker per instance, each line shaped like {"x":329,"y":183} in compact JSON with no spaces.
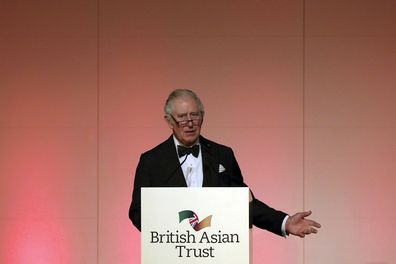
{"x":194,"y":220}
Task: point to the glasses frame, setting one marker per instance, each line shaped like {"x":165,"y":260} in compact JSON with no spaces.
{"x":184,"y":123}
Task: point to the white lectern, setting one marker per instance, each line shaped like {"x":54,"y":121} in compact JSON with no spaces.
{"x":195,"y":226}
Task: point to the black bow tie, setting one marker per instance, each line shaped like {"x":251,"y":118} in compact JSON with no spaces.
{"x":194,"y":150}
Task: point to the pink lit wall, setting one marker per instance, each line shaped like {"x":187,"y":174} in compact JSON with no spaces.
{"x":303,"y":91}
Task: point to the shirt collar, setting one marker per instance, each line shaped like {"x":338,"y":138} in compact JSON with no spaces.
{"x":176,"y":141}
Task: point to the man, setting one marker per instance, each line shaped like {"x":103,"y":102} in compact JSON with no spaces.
{"x":187,"y":159}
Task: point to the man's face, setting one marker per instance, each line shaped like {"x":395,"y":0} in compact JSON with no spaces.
{"x":185,"y":108}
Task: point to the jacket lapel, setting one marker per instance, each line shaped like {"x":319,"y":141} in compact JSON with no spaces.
{"x":171,"y":167}
{"x":209,"y":164}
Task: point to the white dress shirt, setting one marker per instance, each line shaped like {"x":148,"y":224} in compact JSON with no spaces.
{"x":192,"y":167}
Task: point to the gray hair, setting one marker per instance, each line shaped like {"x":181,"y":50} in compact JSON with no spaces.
{"x":181,"y":93}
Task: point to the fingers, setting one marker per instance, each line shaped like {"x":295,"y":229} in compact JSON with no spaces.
{"x":301,"y":215}
{"x":308,"y":231}
{"x":313,"y":230}
{"x":310,"y":222}
{"x":300,"y":226}
{"x":313,"y":223}
{"x":316,"y":224}
{"x":305,"y":214}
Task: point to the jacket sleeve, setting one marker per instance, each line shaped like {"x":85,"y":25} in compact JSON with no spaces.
{"x":141,"y":180}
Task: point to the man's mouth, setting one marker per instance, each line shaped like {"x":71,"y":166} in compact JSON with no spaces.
{"x":189,"y":131}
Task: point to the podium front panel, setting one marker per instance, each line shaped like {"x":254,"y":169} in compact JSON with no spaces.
{"x":195,"y":225}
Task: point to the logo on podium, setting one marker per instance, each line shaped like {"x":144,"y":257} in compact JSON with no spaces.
{"x":194,"y":220}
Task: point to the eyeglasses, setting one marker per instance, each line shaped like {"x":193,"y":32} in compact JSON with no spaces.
{"x":194,"y":118}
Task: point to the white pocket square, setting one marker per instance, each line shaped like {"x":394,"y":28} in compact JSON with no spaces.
{"x":221,"y":168}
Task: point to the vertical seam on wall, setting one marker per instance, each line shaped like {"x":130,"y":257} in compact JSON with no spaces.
{"x":97,"y":124}
{"x":303,"y":112}
{"x":303,"y":101}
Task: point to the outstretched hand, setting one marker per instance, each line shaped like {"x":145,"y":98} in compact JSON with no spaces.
{"x":299,"y":226}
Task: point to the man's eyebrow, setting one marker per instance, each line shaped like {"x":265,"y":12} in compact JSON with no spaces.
{"x":189,"y":113}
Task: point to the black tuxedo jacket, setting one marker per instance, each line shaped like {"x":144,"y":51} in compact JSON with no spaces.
{"x":160,"y":167}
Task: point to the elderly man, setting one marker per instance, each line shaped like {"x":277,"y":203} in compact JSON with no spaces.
{"x":187,"y":159}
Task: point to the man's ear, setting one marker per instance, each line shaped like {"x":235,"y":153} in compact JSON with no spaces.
{"x":168,"y":122}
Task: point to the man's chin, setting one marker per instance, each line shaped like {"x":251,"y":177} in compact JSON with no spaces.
{"x":189,"y":141}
